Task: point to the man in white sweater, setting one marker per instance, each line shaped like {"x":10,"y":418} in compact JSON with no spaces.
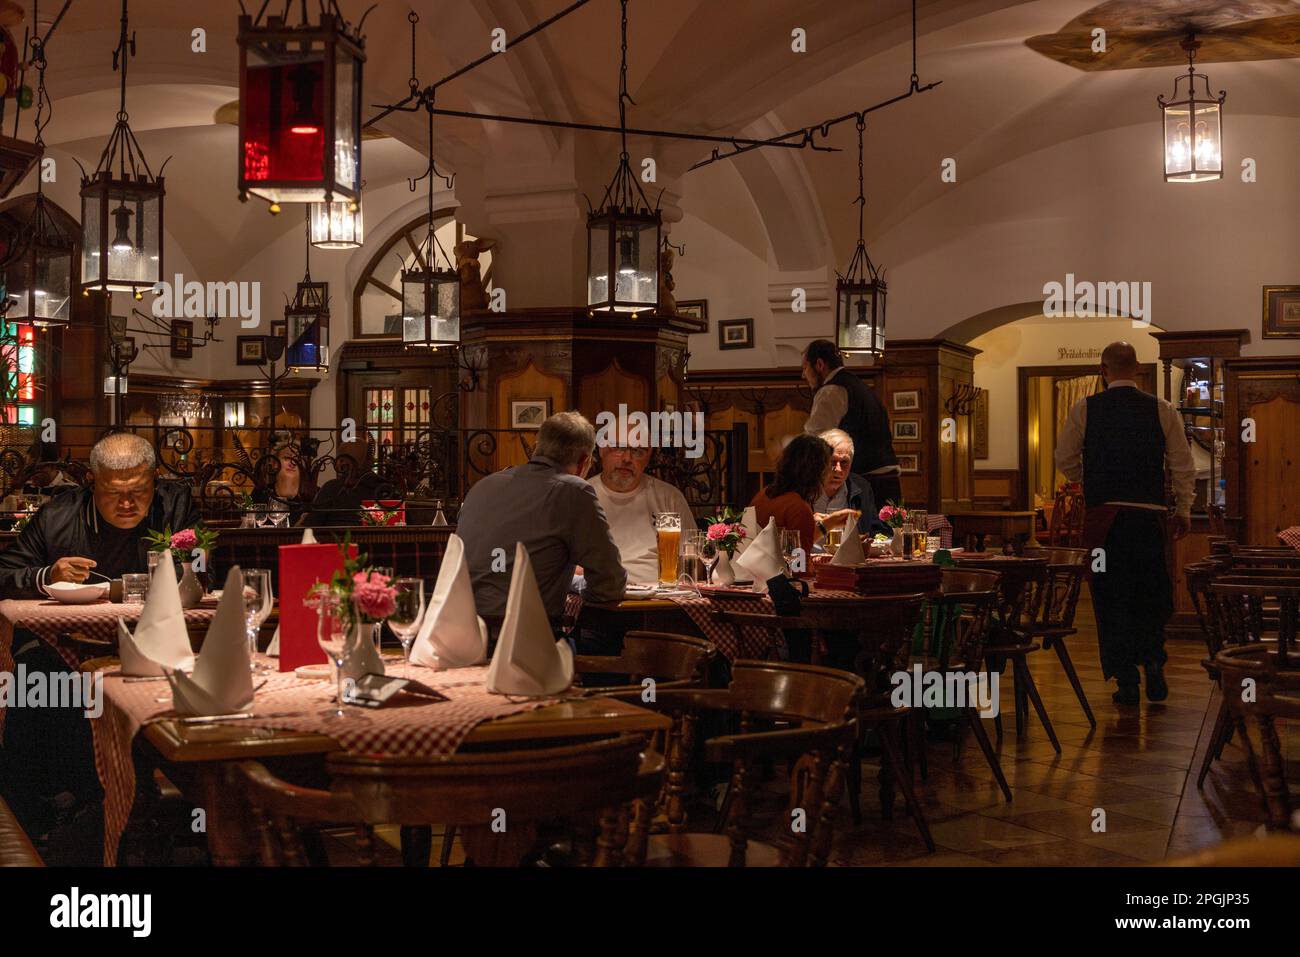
{"x":630,"y":498}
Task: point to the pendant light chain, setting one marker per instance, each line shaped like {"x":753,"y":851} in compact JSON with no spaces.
{"x":622,"y":84}
{"x":916,"y":78}
{"x":121,"y":56}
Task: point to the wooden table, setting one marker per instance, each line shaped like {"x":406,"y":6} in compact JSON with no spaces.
{"x":197,"y":758}
{"x":1009,"y":526}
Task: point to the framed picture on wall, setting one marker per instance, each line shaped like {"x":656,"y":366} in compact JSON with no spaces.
{"x":250,"y":350}
{"x":907,"y":401}
{"x":696,"y":309}
{"x":116,"y":328}
{"x":906,"y":430}
{"x":280,"y":327}
{"x":909,"y":463}
{"x":736,"y":334}
{"x":182,"y":339}
{"x":1282,"y":312}
{"x":529,"y":413}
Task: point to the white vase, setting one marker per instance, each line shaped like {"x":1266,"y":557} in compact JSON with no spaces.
{"x":190,"y":588}
{"x":722,"y":572}
{"x":359,"y":656}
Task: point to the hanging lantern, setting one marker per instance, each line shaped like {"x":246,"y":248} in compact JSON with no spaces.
{"x":122,"y":207}
{"x":308,"y":323}
{"x":41,"y":278}
{"x":300,"y":109}
{"x":860,"y":292}
{"x":430,"y":304}
{"x":1192,"y":127}
{"x":336,"y":224}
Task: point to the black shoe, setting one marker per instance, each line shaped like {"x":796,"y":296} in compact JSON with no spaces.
{"x":1157,"y":690}
{"x":1127,"y":694}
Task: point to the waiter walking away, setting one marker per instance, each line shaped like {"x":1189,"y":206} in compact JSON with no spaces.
{"x":843,"y":401}
{"x":1118,"y":443}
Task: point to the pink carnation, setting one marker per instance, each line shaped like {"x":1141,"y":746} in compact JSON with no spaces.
{"x":373,"y":597}
{"x":720,"y":530}
{"x":887,"y":513}
{"x":185,"y":539}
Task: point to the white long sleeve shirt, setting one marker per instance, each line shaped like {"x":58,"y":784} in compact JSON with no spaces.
{"x":1178,"y":454}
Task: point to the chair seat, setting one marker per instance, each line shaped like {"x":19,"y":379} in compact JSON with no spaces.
{"x":1007,"y":651}
{"x":705,"y":850}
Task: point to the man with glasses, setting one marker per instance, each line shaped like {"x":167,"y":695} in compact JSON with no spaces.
{"x":630,"y":499}
{"x":47,"y":766}
{"x":98,"y":532}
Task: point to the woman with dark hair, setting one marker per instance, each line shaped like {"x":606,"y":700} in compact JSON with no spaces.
{"x":290,"y":489}
{"x":800,"y":472}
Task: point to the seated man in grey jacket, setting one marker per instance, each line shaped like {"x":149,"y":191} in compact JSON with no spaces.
{"x":547,"y":505}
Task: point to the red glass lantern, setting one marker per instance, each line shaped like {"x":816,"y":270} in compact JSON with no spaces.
{"x":299,"y":110}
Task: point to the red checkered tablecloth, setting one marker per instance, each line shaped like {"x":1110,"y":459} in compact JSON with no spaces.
{"x":49,"y":620}
{"x":1290,"y":536}
{"x":407,"y":727}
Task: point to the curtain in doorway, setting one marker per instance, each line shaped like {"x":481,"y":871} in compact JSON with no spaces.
{"x":1068,"y":392}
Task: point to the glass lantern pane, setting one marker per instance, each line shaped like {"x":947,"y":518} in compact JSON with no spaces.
{"x":304,"y":335}
{"x":855,"y":331}
{"x":133,"y":240}
{"x":597,"y":264}
{"x":1178,"y":139}
{"x":90,"y":239}
{"x":627,"y":263}
{"x":53,"y":286}
{"x":646,"y":290}
{"x":1206,"y":138}
{"x":284,"y":120}
{"x":347,"y":83}
{"x":335,"y":226}
{"x":412,"y":299}
{"x":446,"y":328}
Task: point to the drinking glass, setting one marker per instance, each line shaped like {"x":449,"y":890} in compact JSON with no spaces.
{"x":154,"y":558}
{"x":135,"y":588}
{"x":332,"y":636}
{"x":257,"y":606}
{"x":408,"y":612}
{"x":668,"y":530}
{"x":907,"y":541}
{"x":920,"y":520}
{"x":789,"y":544}
{"x":710,"y":553}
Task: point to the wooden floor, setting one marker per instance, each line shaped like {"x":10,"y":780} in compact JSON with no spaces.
{"x":1139,"y":766}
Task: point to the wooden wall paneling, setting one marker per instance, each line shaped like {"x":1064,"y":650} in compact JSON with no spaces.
{"x":996,"y":488}
{"x":1271,"y":488}
{"x":527,"y":383}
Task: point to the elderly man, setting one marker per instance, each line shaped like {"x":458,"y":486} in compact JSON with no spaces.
{"x":630,"y":499}
{"x":97,"y":531}
{"x":1119,"y":442}
{"x":845,"y":492}
{"x":48,"y":760}
{"x":547,"y":505}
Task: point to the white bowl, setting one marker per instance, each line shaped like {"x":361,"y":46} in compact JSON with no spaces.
{"x":77,"y":593}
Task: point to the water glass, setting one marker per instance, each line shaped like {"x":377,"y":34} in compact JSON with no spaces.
{"x":257,"y":603}
{"x":408,"y":613}
{"x":920,"y":520}
{"x":154,"y":558}
{"x":135,"y":588}
{"x":789,"y":545}
{"x":668,"y":531}
{"x":332,"y":636}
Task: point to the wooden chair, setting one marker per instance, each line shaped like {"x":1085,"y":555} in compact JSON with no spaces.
{"x":1055,"y":622}
{"x":673,"y":661}
{"x":1199,"y":576}
{"x":471,"y":790}
{"x":1067,"y":516}
{"x":956,"y":629}
{"x":802,"y":713}
{"x":1275,"y":684}
{"x":884,"y":626}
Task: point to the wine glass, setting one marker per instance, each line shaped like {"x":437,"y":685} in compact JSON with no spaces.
{"x":377,"y":628}
{"x":710,"y":552}
{"x":789,"y":545}
{"x":332,"y":636}
{"x":257,"y":606}
{"x":408,"y":612}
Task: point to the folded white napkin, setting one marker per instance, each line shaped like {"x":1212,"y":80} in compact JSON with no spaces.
{"x":160,"y":641}
{"x":528,"y":660}
{"x":273,"y":649}
{"x":763,"y":559}
{"x":452,"y":634}
{"x":749,"y":519}
{"x":850,"y":550}
{"x":222,"y":682}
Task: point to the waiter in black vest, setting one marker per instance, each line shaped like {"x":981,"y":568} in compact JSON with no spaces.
{"x":1118,"y":443}
{"x":843,"y":401}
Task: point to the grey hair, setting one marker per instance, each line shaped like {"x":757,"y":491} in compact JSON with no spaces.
{"x":566,"y":438}
{"x":121,"y":450}
{"x":837,"y":437}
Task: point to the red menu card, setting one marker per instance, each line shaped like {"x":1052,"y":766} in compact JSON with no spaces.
{"x":301,"y":567}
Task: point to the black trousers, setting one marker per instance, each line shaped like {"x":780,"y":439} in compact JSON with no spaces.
{"x":1133,"y":597}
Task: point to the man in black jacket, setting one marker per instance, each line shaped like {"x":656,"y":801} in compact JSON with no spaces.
{"x":97,"y":531}
{"x":48,"y":769}
{"x":339,"y":501}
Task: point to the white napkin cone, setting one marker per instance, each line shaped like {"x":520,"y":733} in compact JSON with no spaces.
{"x":452,"y":634}
{"x":763,"y":559}
{"x":850,"y":550}
{"x":160,"y":641}
{"x":749,"y":519}
{"x":273,"y":649}
{"x":528,"y":660}
{"x":222,"y":682}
